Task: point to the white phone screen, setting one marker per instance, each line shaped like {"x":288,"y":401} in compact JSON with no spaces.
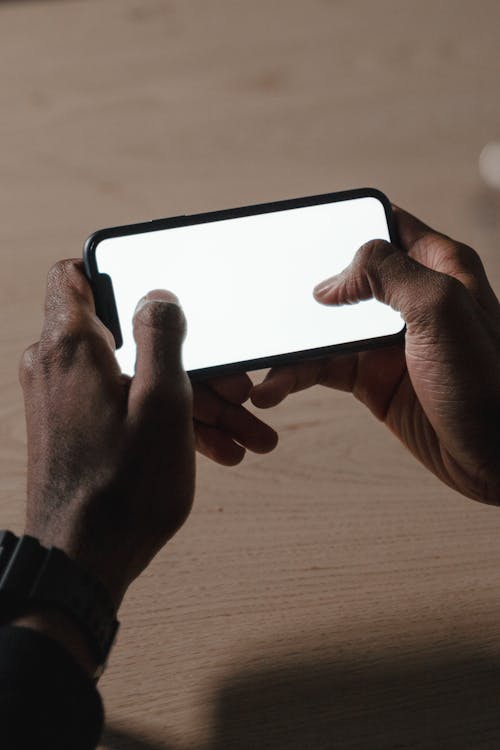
{"x":245,"y":284}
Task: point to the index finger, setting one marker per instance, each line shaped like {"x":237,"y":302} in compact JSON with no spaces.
{"x":69,"y":301}
{"x":441,"y":253}
{"x":411,"y":230}
{"x":67,"y":287}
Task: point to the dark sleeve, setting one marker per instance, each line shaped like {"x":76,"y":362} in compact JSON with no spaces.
{"x":46,"y":700}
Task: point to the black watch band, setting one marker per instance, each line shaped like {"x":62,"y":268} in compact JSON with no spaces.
{"x":33,"y":574}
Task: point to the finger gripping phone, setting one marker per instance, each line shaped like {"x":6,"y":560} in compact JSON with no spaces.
{"x":244,"y":277}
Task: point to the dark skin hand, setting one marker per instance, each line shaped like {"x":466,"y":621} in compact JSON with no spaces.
{"x":440,"y":392}
{"x":93,"y":432}
{"x":223,"y":428}
{"x":111,"y":458}
{"x":111,"y":474}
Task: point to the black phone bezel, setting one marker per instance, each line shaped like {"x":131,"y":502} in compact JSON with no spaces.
{"x":103,"y":293}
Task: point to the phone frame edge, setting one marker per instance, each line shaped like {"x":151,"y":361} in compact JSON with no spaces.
{"x":98,"y":236}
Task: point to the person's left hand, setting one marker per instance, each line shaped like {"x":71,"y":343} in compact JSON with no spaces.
{"x":110,"y":458}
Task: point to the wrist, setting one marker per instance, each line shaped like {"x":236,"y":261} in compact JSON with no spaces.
{"x":109,"y":581}
{"x":45,"y":589}
{"x":110,"y":577}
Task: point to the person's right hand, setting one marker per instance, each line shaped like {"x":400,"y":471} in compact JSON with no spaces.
{"x":440,"y":394}
{"x":223,"y":428}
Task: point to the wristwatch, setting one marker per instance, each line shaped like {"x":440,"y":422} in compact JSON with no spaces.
{"x":33,"y":574}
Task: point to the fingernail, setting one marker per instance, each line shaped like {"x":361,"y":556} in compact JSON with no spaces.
{"x":162,"y":295}
{"x":322,"y":288}
{"x":157,"y":295}
{"x":140,"y":304}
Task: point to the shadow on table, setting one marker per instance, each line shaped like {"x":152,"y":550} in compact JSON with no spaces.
{"x":350,"y":703}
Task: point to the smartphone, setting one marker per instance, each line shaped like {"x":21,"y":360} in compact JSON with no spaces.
{"x":244,"y":278}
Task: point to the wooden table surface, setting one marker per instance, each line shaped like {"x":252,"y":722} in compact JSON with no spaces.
{"x":332,"y":594}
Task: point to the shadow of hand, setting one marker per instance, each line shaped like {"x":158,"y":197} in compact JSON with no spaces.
{"x":356,"y":700}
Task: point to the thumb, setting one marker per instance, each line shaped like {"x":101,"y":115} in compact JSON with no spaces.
{"x":380,"y":270}
{"x":159,"y":330}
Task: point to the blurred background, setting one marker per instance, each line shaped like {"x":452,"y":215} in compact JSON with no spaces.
{"x":331,"y":594}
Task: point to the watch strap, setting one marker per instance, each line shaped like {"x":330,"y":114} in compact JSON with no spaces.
{"x":33,"y":574}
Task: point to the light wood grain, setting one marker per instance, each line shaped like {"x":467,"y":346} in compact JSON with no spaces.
{"x":331,"y":594}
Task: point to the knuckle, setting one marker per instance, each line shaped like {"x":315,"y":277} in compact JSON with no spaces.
{"x":449,"y":289}
{"x":61,"y":270}
{"x":64,"y":273}
{"x":446,"y":296}
{"x":467,"y":258}
{"x":436,"y":299}
{"x":374,"y":261}
{"x":65,"y":338}
{"x":56,"y":273}
{"x":27,"y":364}
{"x":371,"y":252}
